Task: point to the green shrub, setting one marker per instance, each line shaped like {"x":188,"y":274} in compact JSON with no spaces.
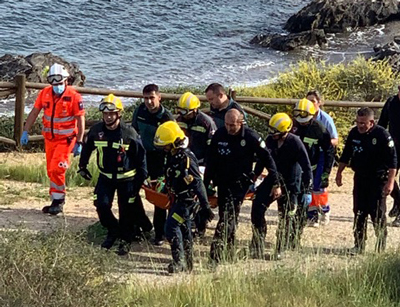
{"x":57,"y":269}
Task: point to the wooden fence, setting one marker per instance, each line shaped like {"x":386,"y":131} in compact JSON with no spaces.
{"x":20,"y":86}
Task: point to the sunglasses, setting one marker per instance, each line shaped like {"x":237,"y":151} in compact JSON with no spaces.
{"x":183,"y":112}
{"x":55,"y":79}
{"x":299,"y":113}
{"x":107,"y":107}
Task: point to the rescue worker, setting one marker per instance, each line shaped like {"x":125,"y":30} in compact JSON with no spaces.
{"x":199,"y":128}
{"x":317,"y":141}
{"x":63,"y":130}
{"x":220,"y":103}
{"x":326,"y":120}
{"x":184,"y":183}
{"x":390,"y":118}
{"x":230,"y":167}
{"x":293,"y":166}
{"x":122,"y":165}
{"x":371,"y":153}
{"x":146,"y":119}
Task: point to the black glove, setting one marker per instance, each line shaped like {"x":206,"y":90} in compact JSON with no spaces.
{"x":84,"y":172}
{"x":207,"y":214}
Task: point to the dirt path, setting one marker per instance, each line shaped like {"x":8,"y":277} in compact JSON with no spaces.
{"x":21,"y":203}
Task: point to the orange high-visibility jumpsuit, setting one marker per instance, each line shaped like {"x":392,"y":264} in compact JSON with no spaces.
{"x":59,"y":131}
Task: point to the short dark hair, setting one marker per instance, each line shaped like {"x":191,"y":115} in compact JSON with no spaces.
{"x":365,"y":111}
{"x":151,"y":88}
{"x":315,"y":93}
{"x":216,"y":88}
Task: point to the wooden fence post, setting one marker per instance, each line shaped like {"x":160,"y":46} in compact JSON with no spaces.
{"x":20,"y":81}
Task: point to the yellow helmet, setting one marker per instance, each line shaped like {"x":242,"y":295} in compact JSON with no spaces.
{"x":280,"y":123}
{"x":111,"y":103}
{"x":168,"y":133}
{"x":304,"y":111}
{"x":188,"y":101}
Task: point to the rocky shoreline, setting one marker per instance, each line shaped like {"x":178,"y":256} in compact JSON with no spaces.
{"x":320,"y":18}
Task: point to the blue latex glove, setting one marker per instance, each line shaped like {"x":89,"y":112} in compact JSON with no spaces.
{"x":77,"y":149}
{"x":24,"y":138}
{"x":306,"y":200}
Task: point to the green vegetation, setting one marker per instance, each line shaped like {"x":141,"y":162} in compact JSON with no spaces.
{"x":58,"y":269}
{"x":30,"y":172}
{"x":63,"y":269}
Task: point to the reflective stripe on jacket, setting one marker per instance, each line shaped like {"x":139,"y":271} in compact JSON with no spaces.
{"x":59,"y":112}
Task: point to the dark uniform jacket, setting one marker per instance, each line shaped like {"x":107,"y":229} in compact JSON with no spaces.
{"x":146,"y":124}
{"x":291,"y":160}
{"x":219,"y":115}
{"x":183,"y":177}
{"x":231,"y":157}
{"x":317,"y":141}
{"x":120,"y":153}
{"x":369,"y":154}
{"x":390,"y":116}
{"x":199,"y":131}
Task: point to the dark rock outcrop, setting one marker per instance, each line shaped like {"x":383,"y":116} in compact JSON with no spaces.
{"x":290,"y":41}
{"x":33,"y":66}
{"x":336,"y":16}
{"x":389,"y":52}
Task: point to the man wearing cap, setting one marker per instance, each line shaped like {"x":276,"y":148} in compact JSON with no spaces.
{"x":63,"y":130}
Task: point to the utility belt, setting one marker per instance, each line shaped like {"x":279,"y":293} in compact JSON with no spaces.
{"x":378,"y":175}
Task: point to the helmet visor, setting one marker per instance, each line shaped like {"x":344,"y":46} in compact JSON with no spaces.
{"x":273,"y":131}
{"x":183,"y":112}
{"x":299,"y":113}
{"x":53,"y":79}
{"x":107,"y":107}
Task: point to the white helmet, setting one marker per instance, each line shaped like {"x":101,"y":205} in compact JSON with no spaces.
{"x":57,"y":74}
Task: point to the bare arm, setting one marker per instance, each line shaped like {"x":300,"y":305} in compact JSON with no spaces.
{"x":31,"y":119}
{"x":81,"y":128}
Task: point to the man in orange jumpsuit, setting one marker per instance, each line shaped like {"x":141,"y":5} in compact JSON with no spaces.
{"x":63,"y":130}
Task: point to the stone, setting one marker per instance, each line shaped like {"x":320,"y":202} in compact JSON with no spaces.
{"x":337,"y":16}
{"x":389,"y":52}
{"x":290,"y":41}
{"x":33,"y":66}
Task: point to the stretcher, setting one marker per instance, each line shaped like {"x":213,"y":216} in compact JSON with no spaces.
{"x":162,"y":200}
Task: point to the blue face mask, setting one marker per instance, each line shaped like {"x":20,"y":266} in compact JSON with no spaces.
{"x":59,"y":89}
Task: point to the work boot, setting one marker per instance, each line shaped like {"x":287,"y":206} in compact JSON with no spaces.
{"x":158,"y":241}
{"x":355,"y":251}
{"x":394,"y":212}
{"x":174,"y":267}
{"x":109,"y":241}
{"x":396,"y":222}
{"x":123,"y":248}
{"x":55,"y":208}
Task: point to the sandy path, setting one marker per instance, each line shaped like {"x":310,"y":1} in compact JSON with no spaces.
{"x":327,"y":242}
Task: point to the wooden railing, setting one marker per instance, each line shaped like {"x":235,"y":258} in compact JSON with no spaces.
{"x":20,"y":85}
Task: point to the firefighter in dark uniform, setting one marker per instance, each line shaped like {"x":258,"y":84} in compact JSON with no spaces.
{"x":230,"y":167}
{"x":371,"y":153}
{"x":220,"y":103}
{"x":390,"y":116}
{"x":146,"y":119}
{"x":199,"y":128}
{"x":317,"y":141}
{"x":293,"y":166}
{"x":122,"y":165}
{"x":183,"y":181}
